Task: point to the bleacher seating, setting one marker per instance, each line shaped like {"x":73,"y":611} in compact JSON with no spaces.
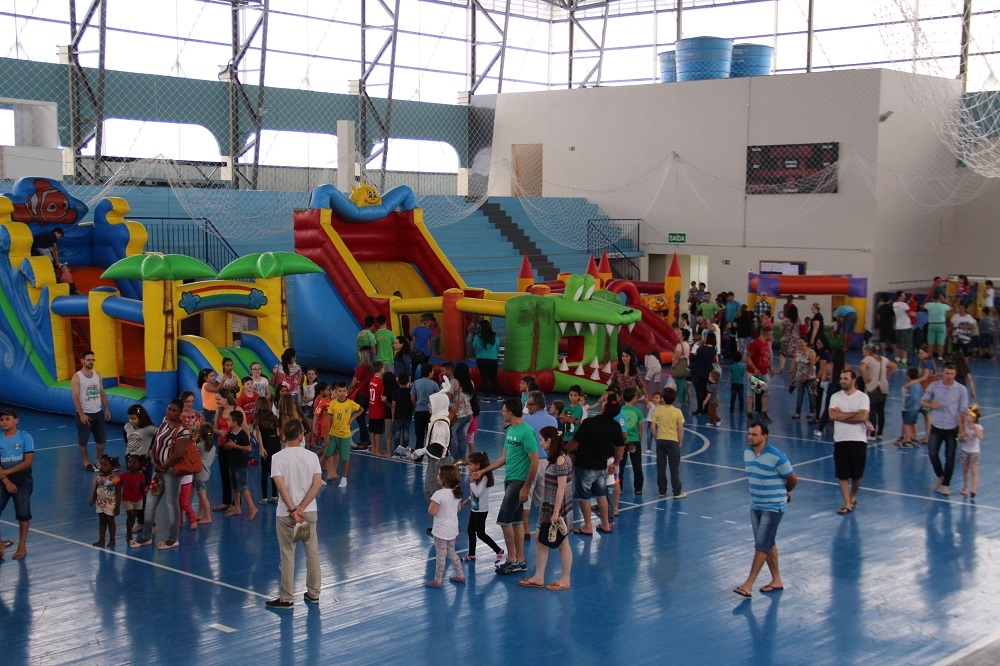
{"x":486,"y":259}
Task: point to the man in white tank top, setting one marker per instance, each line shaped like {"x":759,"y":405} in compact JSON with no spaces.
{"x":92,"y":411}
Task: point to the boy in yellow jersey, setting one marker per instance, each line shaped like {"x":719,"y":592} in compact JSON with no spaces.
{"x":342,"y":413}
{"x":668,"y":429}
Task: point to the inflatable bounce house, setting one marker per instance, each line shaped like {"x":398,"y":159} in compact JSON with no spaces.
{"x":844,"y":289}
{"x":379,"y":258}
{"x":130,"y":307}
{"x":657,"y":302}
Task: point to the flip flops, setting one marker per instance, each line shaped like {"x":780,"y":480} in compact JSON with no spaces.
{"x":166,"y":545}
{"x":556,"y":586}
{"x":527,"y":582}
{"x":742,"y":593}
{"x":771,"y":588}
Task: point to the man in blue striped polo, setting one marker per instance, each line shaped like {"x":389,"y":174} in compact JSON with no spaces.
{"x":771,"y":483}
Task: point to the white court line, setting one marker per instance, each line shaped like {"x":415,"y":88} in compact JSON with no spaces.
{"x":945,"y":500}
{"x":72,"y":446}
{"x":814,"y":440}
{"x":259,"y":595}
{"x":139,"y":559}
{"x":221,"y":627}
{"x":964,"y":652}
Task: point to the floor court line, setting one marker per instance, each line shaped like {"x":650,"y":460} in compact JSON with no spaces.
{"x":969,"y":650}
{"x":945,"y":500}
{"x":188,"y":574}
{"x":126,"y":556}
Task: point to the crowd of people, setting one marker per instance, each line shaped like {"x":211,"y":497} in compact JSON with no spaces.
{"x":557,"y":455}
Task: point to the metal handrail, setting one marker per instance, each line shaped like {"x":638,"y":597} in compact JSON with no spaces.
{"x":604,"y":242}
{"x":201,"y":239}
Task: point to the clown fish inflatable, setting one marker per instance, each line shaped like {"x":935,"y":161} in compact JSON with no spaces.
{"x":45,"y":202}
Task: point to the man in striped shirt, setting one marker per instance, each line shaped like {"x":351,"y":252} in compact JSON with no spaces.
{"x":771,"y":483}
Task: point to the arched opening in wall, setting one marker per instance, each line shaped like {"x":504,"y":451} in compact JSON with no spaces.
{"x":285,"y":148}
{"x":418,"y":156}
{"x":146,"y":139}
{"x":6,"y":127}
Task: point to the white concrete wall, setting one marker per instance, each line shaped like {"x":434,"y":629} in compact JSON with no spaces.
{"x":914,"y":178}
{"x":883,"y":223}
{"x":975,"y":242}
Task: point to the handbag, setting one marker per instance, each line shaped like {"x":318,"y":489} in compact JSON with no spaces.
{"x":680,"y":368}
{"x":876,"y":396}
{"x":190,"y":462}
{"x":550,"y":535}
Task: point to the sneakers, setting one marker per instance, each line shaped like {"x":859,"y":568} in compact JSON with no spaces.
{"x":432,"y":583}
{"x":663,"y":494}
{"x":764,"y":417}
{"x":937,"y":482}
{"x":944,"y":490}
{"x":278,"y":604}
{"x":401,"y":452}
{"x":499,"y":558}
{"x":308,"y":598}
{"x":817,"y":433}
{"x":343,"y":482}
{"x":90,"y":468}
{"x":511,"y":567}
{"x":417,"y":454}
{"x":457,"y":579}
{"x":469,"y":558}
{"x":680,"y":495}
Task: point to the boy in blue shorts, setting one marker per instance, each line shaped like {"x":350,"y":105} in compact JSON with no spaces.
{"x":912,"y":392}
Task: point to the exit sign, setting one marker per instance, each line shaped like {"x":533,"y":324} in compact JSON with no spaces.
{"x":676,"y":237}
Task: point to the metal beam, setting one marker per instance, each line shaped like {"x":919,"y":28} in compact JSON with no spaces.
{"x":963,"y":63}
{"x":367,"y":107}
{"x":239,"y":100}
{"x":476,"y":77}
{"x":809,"y":35}
{"x":82,"y":129}
{"x":574,"y":26}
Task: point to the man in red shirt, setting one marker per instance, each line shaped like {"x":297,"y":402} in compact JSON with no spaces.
{"x":377,"y":411}
{"x":759,"y":365}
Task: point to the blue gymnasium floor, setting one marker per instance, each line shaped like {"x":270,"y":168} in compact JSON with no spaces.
{"x":910,"y":577}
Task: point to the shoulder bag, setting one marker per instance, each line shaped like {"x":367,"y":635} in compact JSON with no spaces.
{"x":190,"y":462}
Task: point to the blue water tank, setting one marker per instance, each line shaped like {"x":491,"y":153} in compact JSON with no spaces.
{"x":668,"y":67}
{"x":751,"y":60}
{"x":701,"y":58}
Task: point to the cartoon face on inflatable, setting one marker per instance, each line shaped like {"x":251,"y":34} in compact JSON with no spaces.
{"x":45,"y":202}
{"x":365,"y":195}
